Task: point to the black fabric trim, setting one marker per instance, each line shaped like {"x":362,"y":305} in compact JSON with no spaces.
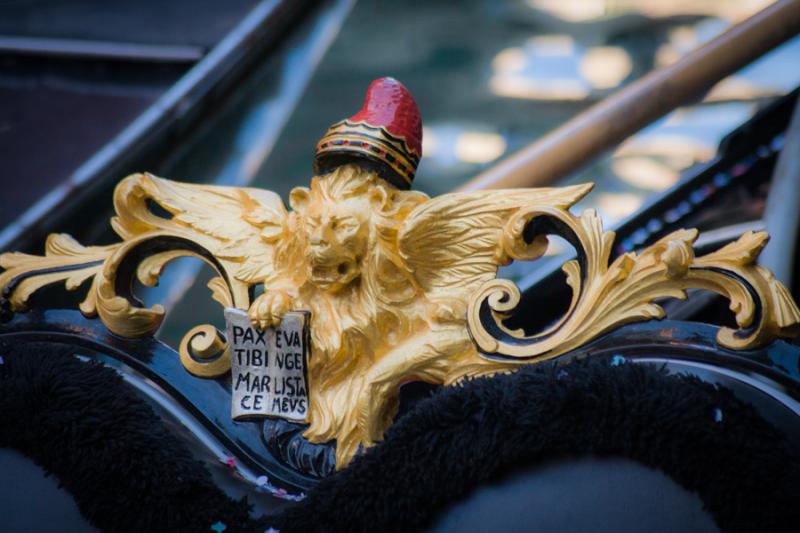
{"x":741,"y":467}
{"x":80,"y":422}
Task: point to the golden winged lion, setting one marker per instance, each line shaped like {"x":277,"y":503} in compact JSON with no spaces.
{"x":386,"y":273}
{"x":395,"y":281}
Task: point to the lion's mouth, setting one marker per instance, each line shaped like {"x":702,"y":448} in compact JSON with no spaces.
{"x":328,"y":274}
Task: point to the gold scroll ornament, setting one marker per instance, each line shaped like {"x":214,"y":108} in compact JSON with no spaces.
{"x":401,"y":287}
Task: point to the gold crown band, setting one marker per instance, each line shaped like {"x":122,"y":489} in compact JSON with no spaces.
{"x":372,"y":142}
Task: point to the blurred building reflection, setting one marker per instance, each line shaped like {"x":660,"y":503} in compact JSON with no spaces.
{"x":554,"y":67}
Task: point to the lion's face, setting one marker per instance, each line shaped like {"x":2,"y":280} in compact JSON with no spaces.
{"x":348,"y":218}
{"x":337,"y":233}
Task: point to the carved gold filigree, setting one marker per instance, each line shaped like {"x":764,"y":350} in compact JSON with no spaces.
{"x":606,"y":296}
{"x":213,"y":224}
{"x":65,"y":260}
{"x":400,"y":286}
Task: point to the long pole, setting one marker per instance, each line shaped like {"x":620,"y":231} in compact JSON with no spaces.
{"x":610,"y":121}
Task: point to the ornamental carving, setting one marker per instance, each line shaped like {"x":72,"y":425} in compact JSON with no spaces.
{"x":399,"y":286}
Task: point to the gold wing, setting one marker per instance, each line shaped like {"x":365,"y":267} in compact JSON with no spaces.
{"x":235,"y":230}
{"x":237,"y":225}
{"x":454,"y":243}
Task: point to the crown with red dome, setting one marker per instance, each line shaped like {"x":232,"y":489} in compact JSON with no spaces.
{"x":385,"y":136}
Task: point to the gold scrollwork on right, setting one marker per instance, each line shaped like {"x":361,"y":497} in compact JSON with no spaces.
{"x":607,"y":295}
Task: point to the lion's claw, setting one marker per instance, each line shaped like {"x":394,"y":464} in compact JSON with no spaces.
{"x":268,"y":309}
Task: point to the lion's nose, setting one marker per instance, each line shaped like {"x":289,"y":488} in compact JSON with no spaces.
{"x":318,"y":241}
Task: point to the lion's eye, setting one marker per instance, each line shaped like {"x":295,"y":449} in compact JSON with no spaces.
{"x":348,"y":224}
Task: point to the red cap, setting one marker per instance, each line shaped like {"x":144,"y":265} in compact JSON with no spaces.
{"x":385,"y":136}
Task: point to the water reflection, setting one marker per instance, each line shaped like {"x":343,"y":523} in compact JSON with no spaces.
{"x":578,"y":11}
{"x":616,"y":205}
{"x":653,"y":159}
{"x":451,"y":144}
{"x":554,"y":67}
{"x":645,"y":173}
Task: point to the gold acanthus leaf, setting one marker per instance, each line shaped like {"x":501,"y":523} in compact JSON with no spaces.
{"x":607,"y":296}
{"x":65,"y":260}
{"x":232,"y":229}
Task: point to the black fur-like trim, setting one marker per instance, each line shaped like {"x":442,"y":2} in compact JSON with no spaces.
{"x":106,"y":446}
{"x":464,"y":436}
{"x":127,"y":473}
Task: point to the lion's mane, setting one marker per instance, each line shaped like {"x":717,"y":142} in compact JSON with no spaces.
{"x":366,"y":318}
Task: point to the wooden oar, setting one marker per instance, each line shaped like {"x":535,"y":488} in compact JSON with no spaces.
{"x":610,"y":121}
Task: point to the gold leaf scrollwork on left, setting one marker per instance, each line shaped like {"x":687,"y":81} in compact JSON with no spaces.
{"x":607,"y":295}
{"x":213,"y":224}
{"x":65,"y":260}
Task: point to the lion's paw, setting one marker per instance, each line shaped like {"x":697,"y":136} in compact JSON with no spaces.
{"x":268,"y":309}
